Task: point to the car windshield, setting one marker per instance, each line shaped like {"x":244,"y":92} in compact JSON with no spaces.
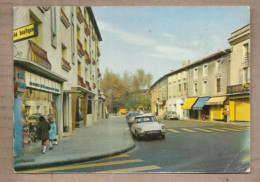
{"x":146,"y":119}
{"x":134,"y":114}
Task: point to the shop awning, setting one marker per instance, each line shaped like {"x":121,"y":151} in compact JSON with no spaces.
{"x":216,"y":101}
{"x":200,"y":103}
{"x":189,"y":103}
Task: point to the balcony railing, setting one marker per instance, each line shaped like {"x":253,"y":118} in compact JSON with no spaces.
{"x":79,"y":15}
{"x":39,"y":55}
{"x":246,"y":59}
{"x":98,"y":71}
{"x":80,"y":49}
{"x":98,"y":52}
{"x":94,"y":86}
{"x":87,"y":59}
{"x":238,"y":88}
{"x":88,"y":86}
{"x":81,"y":81}
{"x":93,"y":61}
{"x":65,"y":65}
{"x":86,"y":28}
{"x":64,"y":18}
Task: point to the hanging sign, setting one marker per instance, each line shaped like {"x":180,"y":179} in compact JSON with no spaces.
{"x":25,"y":32}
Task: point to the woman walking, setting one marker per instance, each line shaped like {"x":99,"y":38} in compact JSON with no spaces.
{"x":42,"y":132}
{"x":52,"y":133}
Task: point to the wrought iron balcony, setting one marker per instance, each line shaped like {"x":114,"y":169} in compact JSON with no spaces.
{"x":80,"y":48}
{"x":79,"y":15}
{"x":39,"y":55}
{"x":241,"y":88}
{"x":81,"y":81}
{"x":87,"y":59}
{"x":64,"y":18}
{"x":86,"y":28}
{"x":65,"y":65}
{"x":88,"y":86}
{"x":98,"y":52}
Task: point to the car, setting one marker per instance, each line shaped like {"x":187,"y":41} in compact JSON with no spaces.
{"x":147,"y":125}
{"x":171,"y":115}
{"x":130,"y":117}
{"x":123,"y":111}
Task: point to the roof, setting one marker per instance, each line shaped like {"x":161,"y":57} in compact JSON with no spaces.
{"x":93,"y":20}
{"x":199,"y":61}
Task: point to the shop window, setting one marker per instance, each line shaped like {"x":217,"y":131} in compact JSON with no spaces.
{"x":218,"y":84}
{"x":53,"y":28}
{"x":89,"y":105}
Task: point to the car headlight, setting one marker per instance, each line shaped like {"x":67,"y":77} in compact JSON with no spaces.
{"x":163,"y":127}
{"x":138,"y":129}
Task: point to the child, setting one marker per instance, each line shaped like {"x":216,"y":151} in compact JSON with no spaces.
{"x":52,"y":133}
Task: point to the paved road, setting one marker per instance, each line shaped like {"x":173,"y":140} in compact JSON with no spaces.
{"x":189,"y":146}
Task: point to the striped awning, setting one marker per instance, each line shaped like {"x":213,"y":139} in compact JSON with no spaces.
{"x":216,"y":101}
{"x":189,"y":103}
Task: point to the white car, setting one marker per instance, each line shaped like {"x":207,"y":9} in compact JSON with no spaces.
{"x":171,"y":115}
{"x":147,"y":125}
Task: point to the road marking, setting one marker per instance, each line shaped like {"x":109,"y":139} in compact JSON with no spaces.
{"x":174,"y":131}
{"x":83,"y":166}
{"x":191,"y":131}
{"x":208,"y":131}
{"x":231,"y":129}
{"x":135,"y":169}
{"x":117,"y":156}
{"x":217,"y":129}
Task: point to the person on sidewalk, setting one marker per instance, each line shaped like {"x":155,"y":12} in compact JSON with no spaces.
{"x":42,"y":132}
{"x":52,"y":133}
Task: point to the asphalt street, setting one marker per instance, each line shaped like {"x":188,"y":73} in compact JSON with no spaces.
{"x":189,"y":146}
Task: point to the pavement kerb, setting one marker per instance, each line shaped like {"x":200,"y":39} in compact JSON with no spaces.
{"x":220,"y":122}
{"x":23,"y":167}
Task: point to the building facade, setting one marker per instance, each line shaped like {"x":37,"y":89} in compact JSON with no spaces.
{"x":56,"y":72}
{"x":239,"y":88}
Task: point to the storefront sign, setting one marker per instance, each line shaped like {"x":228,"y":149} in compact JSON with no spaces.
{"x":20,"y":85}
{"x":25,"y":32}
{"x":38,"y":82}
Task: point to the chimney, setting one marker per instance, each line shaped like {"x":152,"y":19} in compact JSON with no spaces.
{"x":183,"y":63}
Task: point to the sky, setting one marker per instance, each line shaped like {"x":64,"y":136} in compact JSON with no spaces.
{"x":159,"y":39}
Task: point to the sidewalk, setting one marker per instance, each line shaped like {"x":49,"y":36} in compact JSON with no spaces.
{"x":108,"y":137}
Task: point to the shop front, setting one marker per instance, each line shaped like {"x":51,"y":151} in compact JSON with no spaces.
{"x":217,"y":108}
{"x":200,"y":110}
{"x":239,"y":108}
{"x":187,"y":106}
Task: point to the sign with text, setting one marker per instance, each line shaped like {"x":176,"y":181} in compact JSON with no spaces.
{"x":25,"y":32}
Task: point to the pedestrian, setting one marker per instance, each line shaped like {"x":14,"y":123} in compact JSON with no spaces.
{"x":42,"y":132}
{"x":52,"y":133}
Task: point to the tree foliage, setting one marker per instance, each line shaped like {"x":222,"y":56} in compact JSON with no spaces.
{"x":126,"y":91}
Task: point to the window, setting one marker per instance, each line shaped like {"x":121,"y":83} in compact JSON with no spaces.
{"x":205,"y":87}
{"x":195,"y":88}
{"x":184,"y":86}
{"x":205,"y":70}
{"x":53,"y":28}
{"x":86,"y":74}
{"x":218,"y":85}
{"x":195,"y":73}
{"x":72,"y":35}
{"x":245,"y":52}
{"x":218,"y":66}
{"x":86,"y":45}
{"x":247,"y":75}
{"x":79,"y":68}
{"x":179,"y":87}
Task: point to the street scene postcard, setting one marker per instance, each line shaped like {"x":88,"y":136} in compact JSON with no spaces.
{"x":131,"y":89}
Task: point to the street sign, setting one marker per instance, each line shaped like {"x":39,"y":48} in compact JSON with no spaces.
{"x":25,"y":32}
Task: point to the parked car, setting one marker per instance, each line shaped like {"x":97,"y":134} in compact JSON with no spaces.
{"x":130,"y":117}
{"x":171,"y":115}
{"x":147,"y":125}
